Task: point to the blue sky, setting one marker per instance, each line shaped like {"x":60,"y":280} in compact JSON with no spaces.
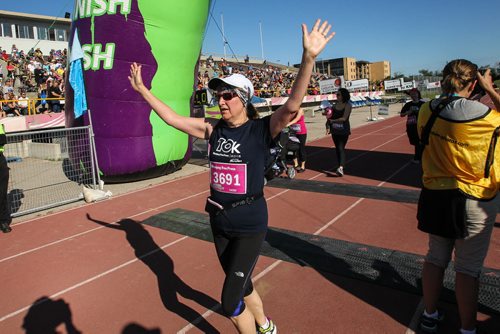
{"x":412,"y":35}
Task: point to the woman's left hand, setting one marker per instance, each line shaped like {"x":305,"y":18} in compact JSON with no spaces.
{"x":315,"y":41}
{"x":485,"y":81}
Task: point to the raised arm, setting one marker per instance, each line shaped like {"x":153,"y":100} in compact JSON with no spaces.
{"x":196,"y":127}
{"x":298,"y":115}
{"x":313,"y":43}
{"x":486,"y":82}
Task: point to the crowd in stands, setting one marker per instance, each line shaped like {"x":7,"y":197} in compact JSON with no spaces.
{"x":41,"y":76}
{"x":268,"y":80}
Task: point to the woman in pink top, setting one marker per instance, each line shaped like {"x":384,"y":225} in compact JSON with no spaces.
{"x":299,"y":126}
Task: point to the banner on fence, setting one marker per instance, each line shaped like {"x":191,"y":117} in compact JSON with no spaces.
{"x":331,"y":85}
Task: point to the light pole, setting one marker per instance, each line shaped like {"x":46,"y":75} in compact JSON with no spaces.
{"x":261,"y":42}
{"x":223,"y":35}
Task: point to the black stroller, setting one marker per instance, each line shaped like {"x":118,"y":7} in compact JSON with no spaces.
{"x":282,"y":153}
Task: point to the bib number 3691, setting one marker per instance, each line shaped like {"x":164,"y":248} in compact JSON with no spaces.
{"x":228,"y":177}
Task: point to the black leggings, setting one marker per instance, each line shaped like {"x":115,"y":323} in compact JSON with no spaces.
{"x":302,"y":148}
{"x":238,"y":254}
{"x":340,"y":142}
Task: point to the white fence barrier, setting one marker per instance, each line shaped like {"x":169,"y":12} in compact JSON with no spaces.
{"x":48,"y":168}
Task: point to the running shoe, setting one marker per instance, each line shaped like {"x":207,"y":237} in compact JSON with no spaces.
{"x":272,"y":329}
{"x":340,"y":171}
{"x":429,"y":324}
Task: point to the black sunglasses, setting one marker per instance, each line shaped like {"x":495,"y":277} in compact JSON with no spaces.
{"x":228,"y":95}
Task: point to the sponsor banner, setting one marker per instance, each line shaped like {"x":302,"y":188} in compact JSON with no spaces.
{"x":276,"y":101}
{"x":357,"y":84}
{"x":32,"y":122}
{"x":392,"y":84}
{"x":331,"y":85}
{"x":435,"y":84}
{"x":407,"y":85}
{"x":383,"y":110}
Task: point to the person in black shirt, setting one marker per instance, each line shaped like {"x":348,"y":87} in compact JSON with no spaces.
{"x":238,"y":151}
{"x":5,"y":218}
{"x":410,"y":110}
{"x":340,"y":127}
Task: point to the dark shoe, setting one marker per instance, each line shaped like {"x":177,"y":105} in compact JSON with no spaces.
{"x":5,"y":228}
{"x":430,"y":325}
{"x":301,"y":170}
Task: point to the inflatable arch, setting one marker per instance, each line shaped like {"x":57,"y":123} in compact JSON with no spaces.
{"x":165,"y":36}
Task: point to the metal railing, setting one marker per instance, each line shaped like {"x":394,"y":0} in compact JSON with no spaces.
{"x":48,"y":168}
{"x":31,"y":107}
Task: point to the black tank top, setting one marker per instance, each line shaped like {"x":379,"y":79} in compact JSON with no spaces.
{"x":343,"y":128}
{"x":238,"y":158}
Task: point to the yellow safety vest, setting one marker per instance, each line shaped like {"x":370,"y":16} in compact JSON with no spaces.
{"x":459,"y":150}
{"x":2,"y":137}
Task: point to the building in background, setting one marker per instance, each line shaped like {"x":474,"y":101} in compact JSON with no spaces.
{"x":379,"y":71}
{"x":363,"y":69}
{"x":30,"y":31}
{"x":351,"y":69}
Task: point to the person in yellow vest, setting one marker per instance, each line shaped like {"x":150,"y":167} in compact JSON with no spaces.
{"x":5,"y":219}
{"x":461,"y":178}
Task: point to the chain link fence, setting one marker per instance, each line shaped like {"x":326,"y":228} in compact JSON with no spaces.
{"x":48,"y":168}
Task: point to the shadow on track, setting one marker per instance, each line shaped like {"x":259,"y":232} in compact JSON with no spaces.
{"x":169,"y":284}
{"x":373,"y":165}
{"x":46,"y":315}
{"x":373,"y":283}
{"x":134,"y":328}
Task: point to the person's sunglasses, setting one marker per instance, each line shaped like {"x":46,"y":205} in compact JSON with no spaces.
{"x":228,"y":95}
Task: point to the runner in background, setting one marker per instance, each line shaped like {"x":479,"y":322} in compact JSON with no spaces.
{"x":299,"y":125}
{"x":340,"y":127}
{"x":410,"y":110}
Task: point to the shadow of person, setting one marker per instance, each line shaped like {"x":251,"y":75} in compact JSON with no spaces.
{"x":339,"y":271}
{"x":15,"y":198}
{"x":134,"y":328}
{"x":45,"y":316}
{"x":360,"y":163}
{"x":169,"y":284}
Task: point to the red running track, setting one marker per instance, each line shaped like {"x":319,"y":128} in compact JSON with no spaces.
{"x":98,"y":266}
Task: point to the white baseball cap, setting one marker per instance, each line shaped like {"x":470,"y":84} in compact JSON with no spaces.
{"x":234,"y":80}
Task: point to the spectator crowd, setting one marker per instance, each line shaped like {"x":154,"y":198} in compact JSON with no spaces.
{"x":268,"y":80}
{"x":31,"y":76}
{"x":38,"y":77}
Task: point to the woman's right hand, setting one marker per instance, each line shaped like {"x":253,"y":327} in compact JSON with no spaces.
{"x":135,"y":77}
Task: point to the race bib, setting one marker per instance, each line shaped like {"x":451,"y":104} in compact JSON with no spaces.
{"x":412,"y":119}
{"x":228,"y":178}
{"x":338,"y":126}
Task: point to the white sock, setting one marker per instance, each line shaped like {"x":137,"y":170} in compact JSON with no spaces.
{"x":266,"y":325}
{"x":465,"y":331}
{"x":434,"y":315}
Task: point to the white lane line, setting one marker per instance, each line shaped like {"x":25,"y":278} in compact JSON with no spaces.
{"x":97,"y":228}
{"x":353,"y":139}
{"x":365,"y":153}
{"x":91,"y":279}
